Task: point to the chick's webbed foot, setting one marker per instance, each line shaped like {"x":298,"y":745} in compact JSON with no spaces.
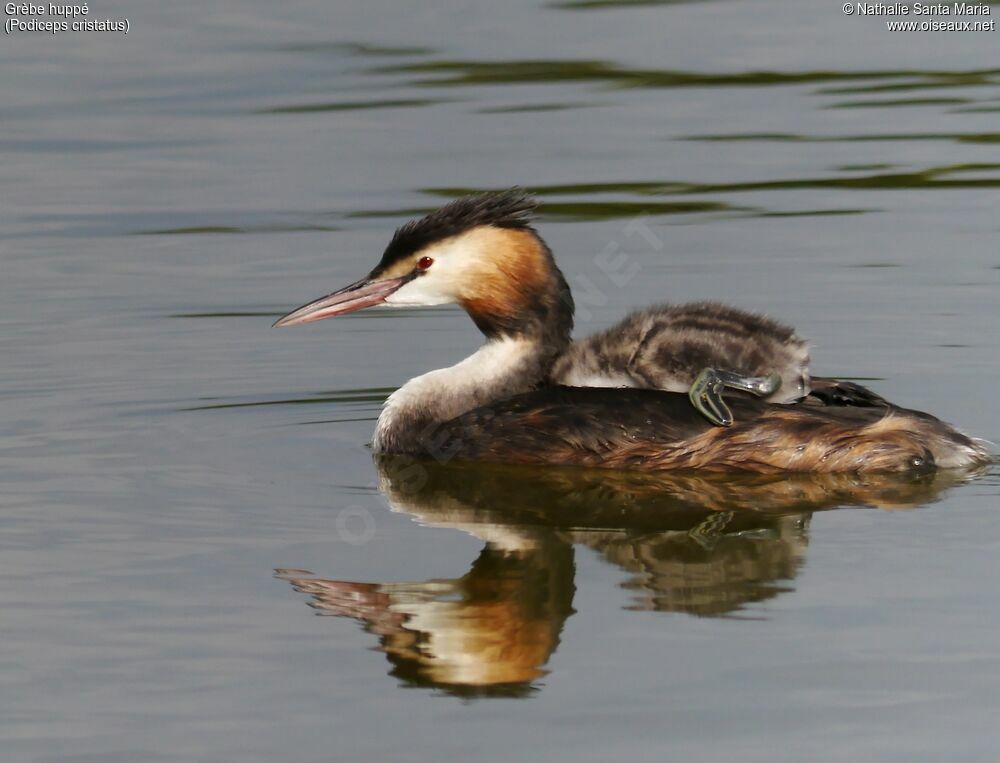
{"x":706,"y":392}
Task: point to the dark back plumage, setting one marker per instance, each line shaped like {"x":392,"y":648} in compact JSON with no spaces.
{"x":845,"y":429}
{"x":513,"y":208}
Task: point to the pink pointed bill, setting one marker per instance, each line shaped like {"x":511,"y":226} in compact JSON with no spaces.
{"x":357,"y":296}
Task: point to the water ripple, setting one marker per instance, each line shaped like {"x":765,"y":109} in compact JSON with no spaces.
{"x":465,"y":72}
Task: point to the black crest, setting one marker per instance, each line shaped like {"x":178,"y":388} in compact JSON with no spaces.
{"x":512,"y":208}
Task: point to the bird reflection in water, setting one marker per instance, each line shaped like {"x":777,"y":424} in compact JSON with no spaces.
{"x":704,"y":546}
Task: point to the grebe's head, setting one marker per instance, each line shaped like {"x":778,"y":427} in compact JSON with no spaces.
{"x":479,"y":252}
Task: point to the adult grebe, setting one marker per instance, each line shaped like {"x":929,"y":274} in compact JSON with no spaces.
{"x":500,"y":404}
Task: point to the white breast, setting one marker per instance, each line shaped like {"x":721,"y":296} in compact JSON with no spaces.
{"x":489,"y":373}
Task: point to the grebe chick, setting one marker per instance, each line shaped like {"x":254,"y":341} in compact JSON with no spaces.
{"x":481,"y":252}
{"x":697,"y":348}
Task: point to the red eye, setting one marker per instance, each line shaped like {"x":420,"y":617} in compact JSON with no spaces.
{"x":425,"y":262}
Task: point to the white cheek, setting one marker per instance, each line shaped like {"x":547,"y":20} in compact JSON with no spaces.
{"x":441,"y":283}
{"x":423,"y":290}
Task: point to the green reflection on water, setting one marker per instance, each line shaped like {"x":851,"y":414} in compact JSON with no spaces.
{"x":246,"y":314}
{"x":613,"y":210}
{"x":863,"y":167}
{"x":342,"y":396}
{"x":968,"y":79}
{"x":815,"y":213}
{"x":462,"y":72}
{"x":206,"y":230}
{"x":932,"y":177}
{"x":532,"y":107}
{"x":781,"y":137}
{"x":308,"y":108}
{"x":356,"y":49}
{"x":970,"y":175}
{"x":610,"y":210}
{"x":873,"y":104}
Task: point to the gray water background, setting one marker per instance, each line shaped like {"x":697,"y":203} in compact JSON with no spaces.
{"x":167,"y":194}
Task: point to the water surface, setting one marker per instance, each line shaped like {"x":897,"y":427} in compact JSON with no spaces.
{"x":186,"y":489}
